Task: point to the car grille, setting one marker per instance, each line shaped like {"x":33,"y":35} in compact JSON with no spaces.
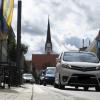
{"x":83,"y":79}
{"x":83,"y":68}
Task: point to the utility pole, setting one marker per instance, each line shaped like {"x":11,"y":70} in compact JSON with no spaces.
{"x":1,"y":16}
{"x":1,"y":26}
{"x":19,"y":40}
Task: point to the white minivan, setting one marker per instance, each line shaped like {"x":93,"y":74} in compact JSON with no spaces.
{"x":79,"y":69}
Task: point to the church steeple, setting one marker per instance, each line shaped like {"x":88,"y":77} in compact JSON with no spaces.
{"x":48,"y":44}
{"x":48,"y":33}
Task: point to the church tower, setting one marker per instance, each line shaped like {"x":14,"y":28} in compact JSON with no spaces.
{"x":48,"y":44}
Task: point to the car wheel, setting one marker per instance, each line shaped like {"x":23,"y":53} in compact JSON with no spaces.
{"x":97,"y":88}
{"x":32,"y":82}
{"x":76,"y":87}
{"x":60,"y":86}
{"x":44,"y":83}
{"x":40,"y":83}
{"x":55,"y":85}
{"x":86,"y":88}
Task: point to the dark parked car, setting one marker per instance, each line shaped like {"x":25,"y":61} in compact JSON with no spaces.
{"x":28,"y":78}
{"x":49,"y":76}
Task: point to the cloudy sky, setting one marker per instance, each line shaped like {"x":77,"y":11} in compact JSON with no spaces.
{"x":71,"y":21}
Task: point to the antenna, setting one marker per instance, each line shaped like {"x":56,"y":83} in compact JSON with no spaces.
{"x":83,"y":43}
{"x":89,"y":42}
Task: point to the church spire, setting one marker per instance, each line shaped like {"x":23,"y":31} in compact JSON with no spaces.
{"x":48,"y":45}
{"x":48,"y":33}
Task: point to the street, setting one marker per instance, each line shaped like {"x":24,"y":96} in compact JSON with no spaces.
{"x":51,"y":93}
{"x":40,"y":92}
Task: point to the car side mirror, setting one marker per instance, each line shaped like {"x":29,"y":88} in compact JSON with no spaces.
{"x":58,"y":60}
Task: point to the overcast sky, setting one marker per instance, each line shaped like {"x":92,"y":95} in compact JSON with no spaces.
{"x":70,"y":22}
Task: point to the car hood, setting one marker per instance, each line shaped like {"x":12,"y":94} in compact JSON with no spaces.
{"x":82,"y":64}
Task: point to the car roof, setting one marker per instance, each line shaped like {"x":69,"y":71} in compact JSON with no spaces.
{"x":78,"y":52}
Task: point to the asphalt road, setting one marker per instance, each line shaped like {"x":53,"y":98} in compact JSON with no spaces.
{"x":41,"y":92}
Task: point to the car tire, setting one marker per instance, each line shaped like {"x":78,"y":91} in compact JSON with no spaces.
{"x":40,"y":83}
{"x":97,"y":88}
{"x":60,"y":86}
{"x":86,"y":88}
{"x":76,"y":87}
{"x":44,"y":83}
{"x":32,"y":82}
{"x":55,"y":85}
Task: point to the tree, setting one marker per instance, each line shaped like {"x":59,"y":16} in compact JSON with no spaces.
{"x":12,"y":48}
{"x":24,"y":48}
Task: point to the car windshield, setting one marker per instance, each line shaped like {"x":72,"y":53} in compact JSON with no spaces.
{"x":80,"y":57}
{"x":50,"y":71}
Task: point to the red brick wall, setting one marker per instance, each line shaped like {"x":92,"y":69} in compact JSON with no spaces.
{"x":40,"y":59}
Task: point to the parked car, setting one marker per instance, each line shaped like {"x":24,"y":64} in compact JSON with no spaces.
{"x":79,"y":69}
{"x":49,"y":76}
{"x":28,"y":78}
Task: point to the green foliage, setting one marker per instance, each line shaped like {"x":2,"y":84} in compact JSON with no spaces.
{"x":24,"y":48}
{"x":12,"y":48}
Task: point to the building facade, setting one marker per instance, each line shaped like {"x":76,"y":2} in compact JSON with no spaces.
{"x":95,"y":46}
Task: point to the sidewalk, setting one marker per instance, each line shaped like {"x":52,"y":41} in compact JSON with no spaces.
{"x":17,"y":93}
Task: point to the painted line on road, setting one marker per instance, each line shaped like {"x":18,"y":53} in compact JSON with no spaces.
{"x":32,"y":94}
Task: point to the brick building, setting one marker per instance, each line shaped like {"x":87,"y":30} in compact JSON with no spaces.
{"x":41,"y":61}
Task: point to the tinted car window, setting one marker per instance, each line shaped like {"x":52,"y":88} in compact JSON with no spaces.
{"x":80,"y":57}
{"x":50,"y":71}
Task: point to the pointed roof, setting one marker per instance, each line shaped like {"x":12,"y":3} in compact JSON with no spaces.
{"x":98,"y":36}
{"x":48,"y":39}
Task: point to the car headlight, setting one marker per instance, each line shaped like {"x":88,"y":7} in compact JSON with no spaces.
{"x":98,"y":68}
{"x":42,"y":78}
{"x":66,"y":66}
{"x":46,"y":77}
